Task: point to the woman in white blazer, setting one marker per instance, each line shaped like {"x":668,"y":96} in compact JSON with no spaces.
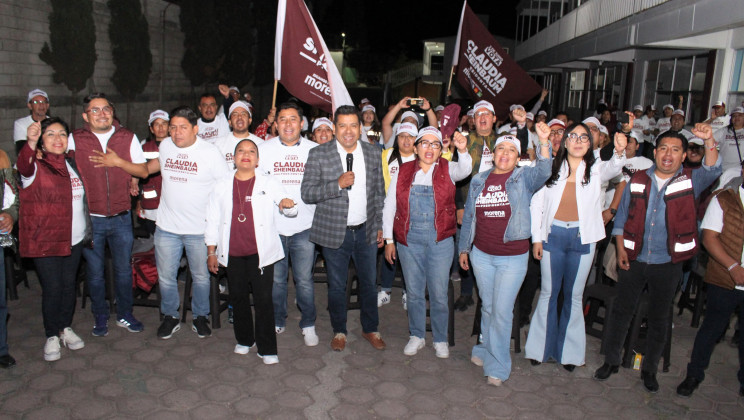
{"x":241,"y":236}
{"x":566,"y":224}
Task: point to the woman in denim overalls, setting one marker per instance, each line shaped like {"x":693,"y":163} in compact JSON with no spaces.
{"x":420,"y":212}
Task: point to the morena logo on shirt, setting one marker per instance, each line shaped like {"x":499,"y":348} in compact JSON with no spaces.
{"x":492,"y":188}
{"x":291,"y":157}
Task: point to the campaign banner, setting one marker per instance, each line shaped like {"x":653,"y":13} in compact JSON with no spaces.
{"x":485,"y":70}
{"x":302,"y":62}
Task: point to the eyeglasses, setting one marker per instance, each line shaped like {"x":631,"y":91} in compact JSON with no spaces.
{"x":38,"y":102}
{"x":106,"y":110}
{"x":432,"y":146}
{"x":557,"y":132}
{"x":594,"y":129}
{"x":578,"y":138}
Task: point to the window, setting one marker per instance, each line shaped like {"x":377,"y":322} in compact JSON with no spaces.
{"x":668,"y":80}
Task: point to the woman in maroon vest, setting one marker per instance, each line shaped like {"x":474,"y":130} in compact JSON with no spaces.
{"x":420,"y":212}
{"x":54,"y":227}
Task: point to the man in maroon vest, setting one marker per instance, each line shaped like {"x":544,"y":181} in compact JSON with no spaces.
{"x":108,"y":156}
{"x":655,"y":231}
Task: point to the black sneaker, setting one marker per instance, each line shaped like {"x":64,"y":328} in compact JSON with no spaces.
{"x":688,"y":386}
{"x":168,"y":327}
{"x":605,"y":371}
{"x":463,"y":302}
{"x":650,"y":382}
{"x":201,"y":327}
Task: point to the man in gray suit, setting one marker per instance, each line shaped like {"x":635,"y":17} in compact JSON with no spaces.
{"x":344,"y":179}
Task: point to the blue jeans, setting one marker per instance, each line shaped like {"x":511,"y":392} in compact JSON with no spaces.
{"x":565,"y":266}
{"x":337,"y":263}
{"x":169,"y":248}
{"x":425,"y":263}
{"x":301,"y":252}
{"x":499,"y":280}
{"x":3,"y":309}
{"x":117,"y":232}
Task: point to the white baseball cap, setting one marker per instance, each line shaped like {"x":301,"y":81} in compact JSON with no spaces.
{"x":718,"y":103}
{"x":738,"y":110}
{"x":407,"y":128}
{"x":483,"y":104}
{"x":511,"y":139}
{"x":592,"y":120}
{"x":439,"y":108}
{"x":322,"y":121}
{"x":235,"y":88}
{"x":679,"y":112}
{"x":603,"y":130}
{"x":531,"y":116}
{"x":542,"y":112}
{"x":515,"y":106}
{"x":368,"y":107}
{"x":158,"y":113}
{"x":36,"y":92}
{"x":471,"y":113}
{"x":696,"y":140}
{"x":429,"y":131}
{"x":409,"y":114}
{"x":557,"y":122}
{"x":638,"y":108}
{"x":364,"y":101}
{"x":670,"y":106}
{"x":240,"y":104}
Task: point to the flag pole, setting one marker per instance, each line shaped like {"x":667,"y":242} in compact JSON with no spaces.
{"x":449,"y":84}
{"x":273,"y":97}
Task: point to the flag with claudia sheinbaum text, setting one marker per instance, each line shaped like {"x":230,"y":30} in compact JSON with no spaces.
{"x":485,"y":70}
{"x":302,"y":62}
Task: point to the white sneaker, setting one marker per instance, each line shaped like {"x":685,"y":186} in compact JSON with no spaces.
{"x":442,"y":350}
{"x":311,"y":339}
{"x":383,"y":298}
{"x":279,"y":330}
{"x":239,"y":349}
{"x":71,"y":340}
{"x":270,"y":360}
{"x":414,"y":345}
{"x":51,"y":349}
{"x":404,"y":300}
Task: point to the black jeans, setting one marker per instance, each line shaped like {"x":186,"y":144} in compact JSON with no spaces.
{"x":243,"y":275}
{"x":58,"y":278}
{"x":720,"y":304}
{"x":662,"y":281}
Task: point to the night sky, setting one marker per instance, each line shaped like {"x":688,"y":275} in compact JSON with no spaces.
{"x":382,"y":25}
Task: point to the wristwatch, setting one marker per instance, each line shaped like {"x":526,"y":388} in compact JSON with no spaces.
{"x":388,"y":241}
{"x":613,"y":211}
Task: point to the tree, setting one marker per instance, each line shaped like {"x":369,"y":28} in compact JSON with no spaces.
{"x":130,"y":49}
{"x":72,"y":55}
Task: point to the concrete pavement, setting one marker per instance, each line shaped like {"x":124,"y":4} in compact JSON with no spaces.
{"x":128,"y":375}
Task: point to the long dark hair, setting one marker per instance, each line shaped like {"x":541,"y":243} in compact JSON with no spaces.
{"x":563,"y":155}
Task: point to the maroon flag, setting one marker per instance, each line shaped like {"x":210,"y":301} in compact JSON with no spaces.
{"x":302,"y":61}
{"x":485,"y":70}
{"x":450,"y":120}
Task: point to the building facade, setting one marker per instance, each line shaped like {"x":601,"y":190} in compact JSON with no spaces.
{"x":634,"y":52}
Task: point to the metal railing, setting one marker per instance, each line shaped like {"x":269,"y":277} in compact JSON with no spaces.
{"x":586,"y":18}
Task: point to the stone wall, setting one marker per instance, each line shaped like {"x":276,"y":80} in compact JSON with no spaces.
{"x":24,"y":27}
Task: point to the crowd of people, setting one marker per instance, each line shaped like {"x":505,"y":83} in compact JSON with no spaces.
{"x":507,"y":206}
